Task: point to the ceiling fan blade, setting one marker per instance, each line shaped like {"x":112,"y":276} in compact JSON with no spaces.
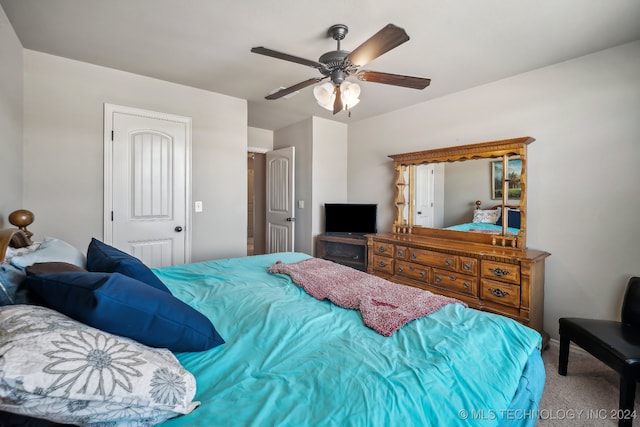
{"x":285,"y":56}
{"x":291,"y":89}
{"x":337,"y":104}
{"x":393,"y":79}
{"x":381,"y":42}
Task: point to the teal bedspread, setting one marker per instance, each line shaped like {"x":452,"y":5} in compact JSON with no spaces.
{"x":291,"y":360}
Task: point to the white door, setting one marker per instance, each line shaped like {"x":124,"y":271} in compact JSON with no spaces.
{"x":147,"y":185}
{"x":279,"y":198}
{"x":424,"y":195}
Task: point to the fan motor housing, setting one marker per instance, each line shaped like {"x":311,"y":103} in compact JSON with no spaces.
{"x":333,"y":60}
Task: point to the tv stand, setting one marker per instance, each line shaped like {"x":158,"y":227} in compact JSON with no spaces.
{"x":346,"y":250}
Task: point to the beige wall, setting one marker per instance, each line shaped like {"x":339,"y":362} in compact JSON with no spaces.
{"x":10,"y":121}
{"x":329,"y":180}
{"x":583,"y":198}
{"x":260,"y":140}
{"x":63,"y":149}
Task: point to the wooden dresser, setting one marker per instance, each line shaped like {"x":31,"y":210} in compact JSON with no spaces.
{"x":489,"y":269}
{"x":502,"y":280}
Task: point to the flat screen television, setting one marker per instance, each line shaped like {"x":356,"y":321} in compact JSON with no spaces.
{"x":350,"y":218}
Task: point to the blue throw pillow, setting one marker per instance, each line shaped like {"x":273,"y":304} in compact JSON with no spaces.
{"x":125,"y":306}
{"x":107,"y":259}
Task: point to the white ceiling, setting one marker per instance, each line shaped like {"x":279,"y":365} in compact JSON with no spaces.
{"x":206,"y":43}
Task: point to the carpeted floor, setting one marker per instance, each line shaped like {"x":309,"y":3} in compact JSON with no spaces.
{"x":587,"y":396}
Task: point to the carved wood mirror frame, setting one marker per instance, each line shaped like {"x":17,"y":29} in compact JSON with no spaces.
{"x":503,"y":149}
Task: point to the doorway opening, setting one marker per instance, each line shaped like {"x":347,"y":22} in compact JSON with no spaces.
{"x":256,"y":203}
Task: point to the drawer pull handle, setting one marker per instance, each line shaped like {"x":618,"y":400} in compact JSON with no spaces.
{"x":400,"y":269}
{"x":382,"y":249}
{"x":413,"y":256}
{"x":466,"y":266}
{"x":498,"y":292}
{"x":500,"y":272}
{"x":447,"y":262}
{"x":382,"y":264}
{"x":438,"y":278}
{"x":400,"y":253}
{"x":422,"y":274}
{"x":467,"y":285}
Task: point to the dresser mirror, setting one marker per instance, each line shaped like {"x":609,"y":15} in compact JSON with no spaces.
{"x":464,"y":193}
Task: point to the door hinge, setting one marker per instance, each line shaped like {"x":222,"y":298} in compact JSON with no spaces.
{"x":111,"y":215}
{"x":112,"y":135}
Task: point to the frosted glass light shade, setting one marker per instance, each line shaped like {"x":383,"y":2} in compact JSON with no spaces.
{"x":350,"y":93}
{"x":326,"y":96}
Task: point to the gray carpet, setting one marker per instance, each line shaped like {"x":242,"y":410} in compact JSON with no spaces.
{"x":587,"y":396}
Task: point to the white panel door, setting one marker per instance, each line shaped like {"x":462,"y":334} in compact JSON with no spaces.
{"x":424,"y":195}
{"x":149,"y":186}
{"x":280,"y":196}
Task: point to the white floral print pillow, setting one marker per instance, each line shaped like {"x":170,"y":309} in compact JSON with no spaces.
{"x":489,"y":216}
{"x":56,"y":368}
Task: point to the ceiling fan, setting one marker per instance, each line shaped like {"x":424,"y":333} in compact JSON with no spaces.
{"x":339,"y":64}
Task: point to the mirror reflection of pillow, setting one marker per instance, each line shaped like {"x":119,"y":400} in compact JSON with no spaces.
{"x":489,"y":216}
{"x":514,"y":218}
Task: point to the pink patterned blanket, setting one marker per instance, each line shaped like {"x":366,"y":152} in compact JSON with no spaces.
{"x":385,"y":306}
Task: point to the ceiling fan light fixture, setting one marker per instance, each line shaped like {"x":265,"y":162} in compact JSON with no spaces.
{"x":337,"y":65}
{"x":350,"y":94}
{"x":325,"y":94}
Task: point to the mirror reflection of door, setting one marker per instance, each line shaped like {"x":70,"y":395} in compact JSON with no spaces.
{"x":424,"y":195}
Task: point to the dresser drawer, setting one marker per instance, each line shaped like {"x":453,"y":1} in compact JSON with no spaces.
{"x":501,"y":271}
{"x":468,"y":265}
{"x":455,"y":281}
{"x":383,"y":263}
{"x":502,"y":293}
{"x":385,"y":249}
{"x":402,"y":252}
{"x":433,"y":258}
{"x":413,"y":271}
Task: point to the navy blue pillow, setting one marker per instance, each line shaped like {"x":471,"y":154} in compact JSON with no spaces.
{"x":125,"y":306}
{"x":513,"y":217}
{"x":107,"y":259}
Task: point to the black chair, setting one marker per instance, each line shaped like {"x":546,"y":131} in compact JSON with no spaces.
{"x":616,"y":344}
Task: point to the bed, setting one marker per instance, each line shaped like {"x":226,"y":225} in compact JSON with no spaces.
{"x":489,"y":221}
{"x":289,"y":359}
